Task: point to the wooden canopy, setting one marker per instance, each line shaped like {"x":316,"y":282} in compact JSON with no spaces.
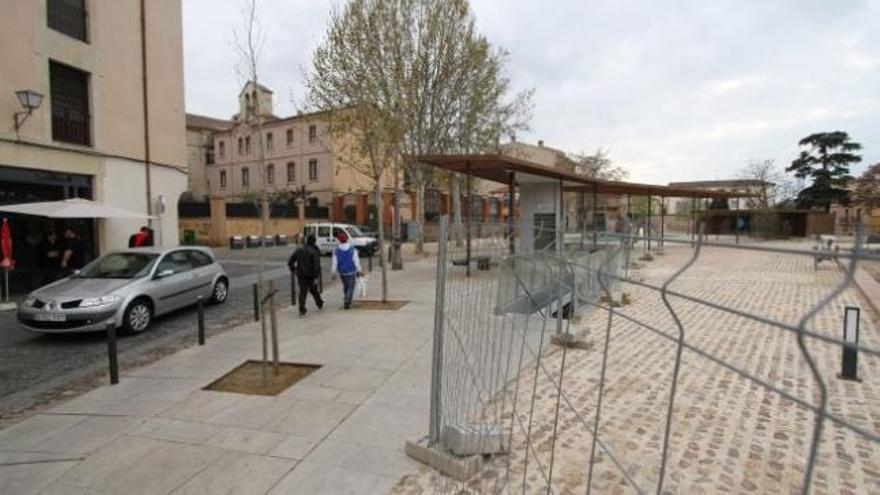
{"x":497,"y":168}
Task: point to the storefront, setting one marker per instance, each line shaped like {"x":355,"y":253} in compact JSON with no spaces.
{"x":21,"y":185}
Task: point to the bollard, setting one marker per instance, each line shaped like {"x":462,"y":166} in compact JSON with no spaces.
{"x":256,"y":303}
{"x":849,"y":368}
{"x":111,"y":353}
{"x":200,"y":304}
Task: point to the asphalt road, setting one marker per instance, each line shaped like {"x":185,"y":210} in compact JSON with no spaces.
{"x":36,"y":367}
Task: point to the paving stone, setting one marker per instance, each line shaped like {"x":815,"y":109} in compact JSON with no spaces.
{"x":237,"y":474}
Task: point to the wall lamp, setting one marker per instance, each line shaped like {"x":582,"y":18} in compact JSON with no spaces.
{"x":30,"y":101}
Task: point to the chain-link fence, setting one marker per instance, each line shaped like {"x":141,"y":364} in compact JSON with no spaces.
{"x":547,"y":374}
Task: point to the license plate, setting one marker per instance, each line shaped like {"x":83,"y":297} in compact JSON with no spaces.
{"x":50,"y":317}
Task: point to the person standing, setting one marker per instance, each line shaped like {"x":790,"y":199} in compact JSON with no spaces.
{"x":73,"y":256}
{"x":143,"y":238}
{"x":347,"y":264}
{"x":49,"y":256}
{"x":305,"y":263}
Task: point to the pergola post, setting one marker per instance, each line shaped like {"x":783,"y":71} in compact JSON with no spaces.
{"x":582,"y":218}
{"x":662,"y":219}
{"x":560,"y":223}
{"x":595,"y":222}
{"x":736,"y":221}
{"x":648,"y":226}
{"x":511,"y":190}
{"x":470,"y":213}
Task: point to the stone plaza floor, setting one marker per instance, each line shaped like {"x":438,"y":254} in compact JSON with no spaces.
{"x":729,"y":435}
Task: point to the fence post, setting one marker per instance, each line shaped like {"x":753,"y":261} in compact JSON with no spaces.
{"x":256,"y":303}
{"x":111,"y":353}
{"x":200,"y":306}
{"x":437,"y":354}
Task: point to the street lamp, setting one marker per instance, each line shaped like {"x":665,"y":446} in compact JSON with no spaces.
{"x":30,"y":100}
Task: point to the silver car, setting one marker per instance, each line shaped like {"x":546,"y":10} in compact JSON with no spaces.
{"x":128,"y":288}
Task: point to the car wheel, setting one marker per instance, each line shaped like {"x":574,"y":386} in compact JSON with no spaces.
{"x":220,"y":291}
{"x":138,"y":316}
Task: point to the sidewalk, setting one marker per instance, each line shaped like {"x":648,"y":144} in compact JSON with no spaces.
{"x":339,"y":430}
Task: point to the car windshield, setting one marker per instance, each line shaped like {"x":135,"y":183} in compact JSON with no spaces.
{"x":120,"y":265}
{"x":354,"y":231}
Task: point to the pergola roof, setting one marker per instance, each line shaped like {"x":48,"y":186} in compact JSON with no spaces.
{"x":496,"y":167}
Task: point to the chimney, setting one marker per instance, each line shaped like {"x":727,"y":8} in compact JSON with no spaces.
{"x":541,"y":143}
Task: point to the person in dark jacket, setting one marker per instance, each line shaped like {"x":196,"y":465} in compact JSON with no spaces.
{"x":305,"y":263}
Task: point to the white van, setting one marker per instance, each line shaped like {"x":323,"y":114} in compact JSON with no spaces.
{"x":325,"y":234}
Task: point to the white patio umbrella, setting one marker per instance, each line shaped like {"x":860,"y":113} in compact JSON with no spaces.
{"x":72,"y":208}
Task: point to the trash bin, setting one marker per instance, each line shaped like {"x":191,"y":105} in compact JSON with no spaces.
{"x":189,"y":237}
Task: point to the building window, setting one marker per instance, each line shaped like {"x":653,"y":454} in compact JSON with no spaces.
{"x":247,"y":145}
{"x":68,"y":17}
{"x":240,"y":146}
{"x":222,"y":149}
{"x":313,"y":170}
{"x":313,"y":133}
{"x":291,"y":172}
{"x":289,"y":137}
{"x":270,"y":173}
{"x":223,"y":179}
{"x":269,"y":141}
{"x":209,"y":154}
{"x":245,"y":177}
{"x":69,"y":90}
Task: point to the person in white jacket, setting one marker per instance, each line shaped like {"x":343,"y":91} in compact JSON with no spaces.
{"x":347,"y":264}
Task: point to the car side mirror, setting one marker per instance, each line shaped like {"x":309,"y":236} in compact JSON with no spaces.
{"x":165,"y":273}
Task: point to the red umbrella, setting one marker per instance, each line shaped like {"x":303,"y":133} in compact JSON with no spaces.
{"x":6,"y":246}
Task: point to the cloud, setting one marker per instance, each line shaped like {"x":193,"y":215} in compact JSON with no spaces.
{"x":686,"y":91}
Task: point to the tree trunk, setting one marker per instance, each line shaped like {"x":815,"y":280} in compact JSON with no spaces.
{"x":420,"y":217}
{"x":396,"y":256}
{"x":381,"y":221}
{"x":456,"y":209}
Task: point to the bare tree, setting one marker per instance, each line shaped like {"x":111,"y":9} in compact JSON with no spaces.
{"x":248,"y":45}
{"x":415,"y":78}
{"x":598,"y":165}
{"x":867,"y":188}
{"x":764,"y":182}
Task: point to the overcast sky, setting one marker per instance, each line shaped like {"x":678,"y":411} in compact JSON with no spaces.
{"x":687,"y":90}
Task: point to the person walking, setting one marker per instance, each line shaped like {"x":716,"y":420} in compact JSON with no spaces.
{"x":305,"y":263}
{"x":347,"y":264}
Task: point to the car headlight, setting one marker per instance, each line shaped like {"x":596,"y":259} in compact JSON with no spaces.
{"x":98,"y":301}
{"x":29,"y":301}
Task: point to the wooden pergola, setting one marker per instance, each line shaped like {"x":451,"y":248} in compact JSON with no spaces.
{"x":504,"y":169}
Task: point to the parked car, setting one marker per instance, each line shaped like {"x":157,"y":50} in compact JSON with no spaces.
{"x":325,"y":234}
{"x":128,"y":288}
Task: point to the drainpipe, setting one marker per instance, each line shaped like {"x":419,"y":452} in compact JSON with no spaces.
{"x":146,"y":103}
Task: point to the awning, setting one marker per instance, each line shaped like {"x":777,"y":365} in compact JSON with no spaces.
{"x":72,"y":208}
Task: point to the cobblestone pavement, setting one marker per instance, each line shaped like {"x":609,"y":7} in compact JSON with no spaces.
{"x":729,"y":434}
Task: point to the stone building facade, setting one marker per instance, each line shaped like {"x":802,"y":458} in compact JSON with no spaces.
{"x":110,"y":126}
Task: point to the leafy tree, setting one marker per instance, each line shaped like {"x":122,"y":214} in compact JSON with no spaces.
{"x":867,"y":188}
{"x":826,"y":161}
